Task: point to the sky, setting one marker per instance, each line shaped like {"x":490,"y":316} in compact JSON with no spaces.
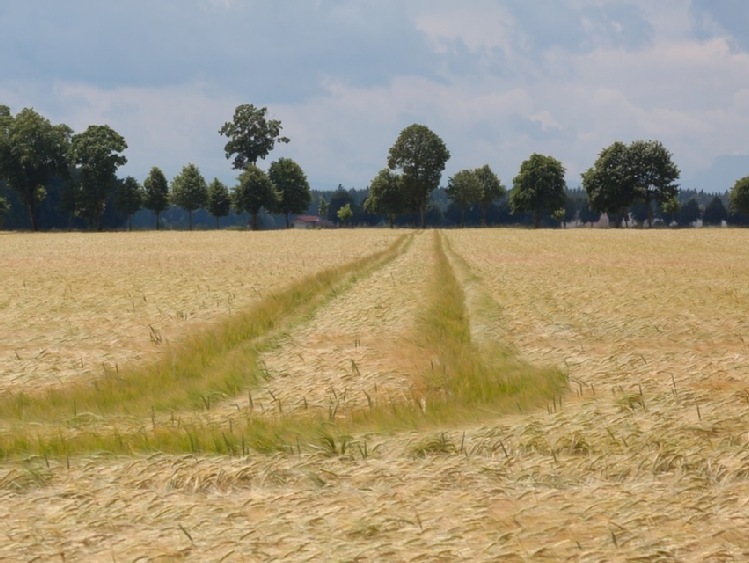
{"x":497,"y":80}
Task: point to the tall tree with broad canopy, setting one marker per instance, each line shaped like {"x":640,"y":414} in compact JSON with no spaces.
{"x":292,"y":187}
{"x":464,"y":189}
{"x":491,"y":190}
{"x":539,"y":186}
{"x":156,"y":188}
{"x":654,"y":174}
{"x":254,"y":192}
{"x":609,"y":183}
{"x":421,"y":156}
{"x":345,"y":214}
{"x":641,"y":172}
{"x":219,"y":201}
{"x":32,"y":152}
{"x":96,"y":153}
{"x":738,"y":198}
{"x":251,"y":135}
{"x":129,"y":198}
{"x":385,"y":196}
{"x":189,"y":190}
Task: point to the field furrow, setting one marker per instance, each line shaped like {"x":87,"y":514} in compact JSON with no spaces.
{"x":360,"y":348}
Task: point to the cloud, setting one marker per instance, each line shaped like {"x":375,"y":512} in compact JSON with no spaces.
{"x":497,"y":80}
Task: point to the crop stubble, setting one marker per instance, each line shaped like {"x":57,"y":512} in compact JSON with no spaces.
{"x":648,"y":455}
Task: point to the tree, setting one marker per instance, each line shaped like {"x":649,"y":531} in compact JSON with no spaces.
{"x":4,"y":208}
{"x":739,"y":196}
{"x":156,"y":190}
{"x":97,"y":154}
{"x":251,"y":135}
{"x":715,"y":212}
{"x":219,"y":201}
{"x":292,"y":186}
{"x":189,"y":190}
{"x":654,"y":174}
{"x":338,"y":199}
{"x":129,"y":198}
{"x":464,"y":189}
{"x":254,"y":192}
{"x":491,"y":190}
{"x":609,"y":183}
{"x":385,"y":196}
{"x":539,"y":186}
{"x":345,"y":214}
{"x":689,"y":213}
{"x":421,"y":157}
{"x":32,"y":152}
{"x":322,"y":207}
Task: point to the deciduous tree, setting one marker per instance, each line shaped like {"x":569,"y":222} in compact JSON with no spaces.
{"x":219,"y":201}
{"x":654,"y":174}
{"x":609,"y":183}
{"x":32,"y":151}
{"x":739,"y":196}
{"x":129,"y":198}
{"x":421,"y":156}
{"x":464,"y":189}
{"x":539,"y":186}
{"x":254,"y":192}
{"x":97,"y":154}
{"x":251,"y":135}
{"x":491,"y":190}
{"x":156,"y":190}
{"x":189,"y":190}
{"x":292,"y":187}
{"x":345,"y":214}
{"x":385,"y":196}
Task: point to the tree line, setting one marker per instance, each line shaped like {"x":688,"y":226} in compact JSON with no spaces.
{"x":50,"y":168}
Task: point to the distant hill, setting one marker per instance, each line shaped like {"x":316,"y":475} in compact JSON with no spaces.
{"x":721,"y":176}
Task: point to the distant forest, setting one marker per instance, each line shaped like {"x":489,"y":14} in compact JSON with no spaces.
{"x":710,"y":208}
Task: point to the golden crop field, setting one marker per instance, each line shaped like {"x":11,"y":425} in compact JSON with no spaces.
{"x":303,"y":409}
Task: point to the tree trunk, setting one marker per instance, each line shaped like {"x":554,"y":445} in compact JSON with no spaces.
{"x":422,"y":214}
{"x":157,"y":220}
{"x":287,"y":219}
{"x":253,"y":221}
{"x":484,"y":211}
{"x":650,"y":213}
{"x":536,"y":219}
{"x":189,"y":219}
{"x":217,"y":222}
{"x":130,"y":223}
{"x":32,"y":215}
{"x":462,"y":217}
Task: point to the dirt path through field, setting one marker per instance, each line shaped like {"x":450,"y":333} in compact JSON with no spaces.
{"x":357,"y":349}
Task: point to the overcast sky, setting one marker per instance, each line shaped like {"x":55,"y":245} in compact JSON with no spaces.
{"x":498,"y":80}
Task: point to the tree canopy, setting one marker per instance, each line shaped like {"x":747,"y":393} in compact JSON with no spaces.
{"x":219,"y":201}
{"x":189,"y":190}
{"x":539,"y":186}
{"x":739,"y":196}
{"x":464,"y":189}
{"x":254,"y":192}
{"x":292,"y":187}
{"x":623,"y":175}
{"x":96,"y":153}
{"x":32,"y":152}
{"x":385,"y":196}
{"x":251,"y":135}
{"x":491,"y":189}
{"x":156,"y":193}
{"x":129,"y":198}
{"x":421,"y":156}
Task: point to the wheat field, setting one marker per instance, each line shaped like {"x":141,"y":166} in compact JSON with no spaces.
{"x":645,"y":457}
